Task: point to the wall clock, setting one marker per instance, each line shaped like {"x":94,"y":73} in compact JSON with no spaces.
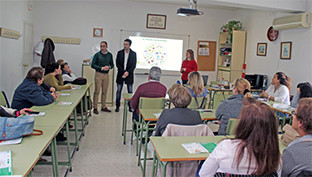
{"x":97,"y":32}
{"x":272,"y":34}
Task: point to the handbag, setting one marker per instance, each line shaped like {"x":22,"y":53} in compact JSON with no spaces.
{"x":80,"y":81}
{"x":12,"y":128}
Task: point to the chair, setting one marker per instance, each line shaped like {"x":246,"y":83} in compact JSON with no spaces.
{"x":218,"y":98}
{"x":145,"y":103}
{"x":185,"y":168}
{"x":230,"y":129}
{"x":193,"y":104}
{"x":4,"y":100}
{"x":205,"y":79}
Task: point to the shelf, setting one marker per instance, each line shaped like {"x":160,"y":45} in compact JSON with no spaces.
{"x":226,"y":55}
{"x":226,"y":44}
{"x":224,"y":67}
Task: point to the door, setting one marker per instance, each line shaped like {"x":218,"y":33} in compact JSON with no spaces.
{"x":27,"y":60}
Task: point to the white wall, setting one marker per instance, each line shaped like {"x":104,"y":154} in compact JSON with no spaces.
{"x":298,"y":67}
{"x":12,"y":15}
{"x":78,"y":19}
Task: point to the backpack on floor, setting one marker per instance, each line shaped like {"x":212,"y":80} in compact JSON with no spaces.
{"x":12,"y":128}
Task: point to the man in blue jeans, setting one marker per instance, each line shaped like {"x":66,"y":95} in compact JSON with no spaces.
{"x":126,"y":63}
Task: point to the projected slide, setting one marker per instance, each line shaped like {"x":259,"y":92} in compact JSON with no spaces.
{"x":161,"y":52}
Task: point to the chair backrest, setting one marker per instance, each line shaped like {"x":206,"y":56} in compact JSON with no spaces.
{"x":205,"y":79}
{"x":4,"y":100}
{"x":218,"y":98}
{"x":230,"y":130}
{"x":152,"y":103}
{"x":193,"y":104}
{"x":187,"y":130}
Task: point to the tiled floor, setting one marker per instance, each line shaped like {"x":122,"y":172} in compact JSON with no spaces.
{"x":101,"y":151}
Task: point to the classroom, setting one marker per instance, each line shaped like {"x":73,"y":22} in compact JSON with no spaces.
{"x":102,"y":152}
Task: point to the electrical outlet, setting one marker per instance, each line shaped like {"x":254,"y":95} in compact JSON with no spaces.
{"x":62,"y":40}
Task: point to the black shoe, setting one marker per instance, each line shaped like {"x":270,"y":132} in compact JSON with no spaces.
{"x":60,"y":137}
{"x":130,"y":110}
{"x":70,"y":125}
{"x":95,"y":111}
{"x":42,"y":160}
{"x":47,"y":152}
{"x":117,"y":109}
{"x":105,"y":110}
{"x":143,"y":140}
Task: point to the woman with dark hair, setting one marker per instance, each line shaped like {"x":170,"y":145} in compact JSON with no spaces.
{"x":253,"y":151}
{"x":231,"y":107}
{"x":278,"y":90}
{"x":180,"y":114}
{"x":52,"y":71}
{"x":304,"y":90}
{"x":188,"y":65}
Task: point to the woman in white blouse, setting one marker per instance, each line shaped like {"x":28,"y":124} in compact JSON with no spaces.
{"x":278,"y":90}
{"x":255,"y":148}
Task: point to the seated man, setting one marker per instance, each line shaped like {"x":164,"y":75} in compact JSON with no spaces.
{"x":152,"y":89}
{"x":68,"y":75}
{"x":298,"y":154}
{"x":30,"y":92}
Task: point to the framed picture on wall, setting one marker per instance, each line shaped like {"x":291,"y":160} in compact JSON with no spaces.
{"x":155,"y":21}
{"x":286,"y":50}
{"x":261,"y":49}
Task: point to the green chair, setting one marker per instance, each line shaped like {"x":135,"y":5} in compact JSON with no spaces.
{"x":193,"y":104}
{"x":218,"y":98}
{"x":3,"y":100}
{"x":230,"y":129}
{"x":145,"y":103}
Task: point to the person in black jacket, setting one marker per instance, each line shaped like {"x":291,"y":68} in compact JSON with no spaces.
{"x":126,"y":63}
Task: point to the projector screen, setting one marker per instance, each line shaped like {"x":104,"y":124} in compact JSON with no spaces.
{"x":162,"y":52}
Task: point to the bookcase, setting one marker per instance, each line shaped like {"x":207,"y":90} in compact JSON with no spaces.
{"x":231,"y":55}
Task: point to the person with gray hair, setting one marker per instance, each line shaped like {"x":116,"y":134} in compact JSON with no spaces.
{"x":151,"y":89}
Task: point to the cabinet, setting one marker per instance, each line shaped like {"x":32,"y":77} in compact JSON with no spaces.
{"x":89,"y":73}
{"x":231,"y":56}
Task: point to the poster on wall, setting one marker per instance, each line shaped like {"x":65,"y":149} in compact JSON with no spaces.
{"x":203,"y":49}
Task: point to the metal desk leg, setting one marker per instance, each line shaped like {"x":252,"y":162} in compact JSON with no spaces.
{"x":81,"y":113}
{"x":154,"y":164}
{"x":76,"y":130}
{"x":68,"y":146}
{"x":90,"y":111}
{"x":54,"y":157}
{"x":139,"y":141}
{"x":124,"y":121}
{"x":87,"y":109}
{"x":145,"y":147}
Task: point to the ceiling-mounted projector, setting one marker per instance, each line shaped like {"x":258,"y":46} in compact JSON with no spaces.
{"x":190,"y":11}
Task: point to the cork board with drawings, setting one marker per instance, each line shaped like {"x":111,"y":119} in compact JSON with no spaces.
{"x":206,"y":55}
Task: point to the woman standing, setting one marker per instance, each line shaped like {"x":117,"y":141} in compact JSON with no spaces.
{"x":253,"y":151}
{"x":278,"y":90}
{"x":188,"y":65}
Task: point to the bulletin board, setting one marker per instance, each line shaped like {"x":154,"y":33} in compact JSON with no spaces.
{"x":206,"y":55}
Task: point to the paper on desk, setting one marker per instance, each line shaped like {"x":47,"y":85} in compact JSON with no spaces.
{"x":75,"y":87}
{"x":37,"y":115}
{"x":193,"y":148}
{"x":9,"y":142}
{"x":64,"y":103}
{"x":204,"y":110}
{"x":157,"y":114}
{"x":64,"y":94}
{"x":5,"y":163}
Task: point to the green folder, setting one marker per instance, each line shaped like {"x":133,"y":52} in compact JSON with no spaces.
{"x":209,"y":146}
{"x":5,"y":163}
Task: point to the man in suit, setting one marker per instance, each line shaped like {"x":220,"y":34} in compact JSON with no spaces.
{"x":126,"y":63}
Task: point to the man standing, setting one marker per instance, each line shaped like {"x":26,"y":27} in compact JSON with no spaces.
{"x":102,"y":62}
{"x":126,"y":63}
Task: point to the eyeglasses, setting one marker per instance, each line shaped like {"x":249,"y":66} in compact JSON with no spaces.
{"x":103,"y":46}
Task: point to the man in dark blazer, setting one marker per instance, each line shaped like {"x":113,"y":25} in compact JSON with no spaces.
{"x":126,"y":63}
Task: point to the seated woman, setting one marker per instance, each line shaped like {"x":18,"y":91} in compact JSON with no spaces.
{"x":30,"y":92}
{"x":181,"y":115}
{"x":255,"y":148}
{"x":298,"y":154}
{"x":9,"y":112}
{"x":67,"y":74}
{"x":304,"y":90}
{"x":196,"y":85}
{"x":278,"y":90}
{"x":52,"y":71}
{"x":231,"y":107}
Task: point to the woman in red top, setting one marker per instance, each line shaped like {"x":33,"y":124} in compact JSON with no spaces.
{"x":188,"y":65}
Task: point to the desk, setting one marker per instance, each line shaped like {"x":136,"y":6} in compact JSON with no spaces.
{"x":280,"y":113}
{"x":169,"y":149}
{"x":148,"y":117}
{"x":26,"y":154}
